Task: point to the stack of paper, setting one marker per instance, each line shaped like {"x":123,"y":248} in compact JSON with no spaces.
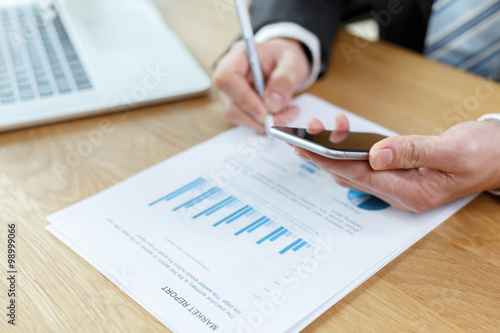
{"x":239,"y":235}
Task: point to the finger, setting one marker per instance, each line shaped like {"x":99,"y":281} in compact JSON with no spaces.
{"x":244,"y":96}
{"x":393,"y":202}
{"x":314,"y":126}
{"x":359,"y":187}
{"x":348,"y":169}
{"x":341,"y":129}
{"x":230,"y":77}
{"x":416,"y":190}
{"x":236,"y":116}
{"x":286,"y":116}
{"x":338,"y":137}
{"x":359,"y":174}
{"x":287,"y":76}
{"x":408,"y":152}
{"x":353,"y":175}
{"x":341,"y":123}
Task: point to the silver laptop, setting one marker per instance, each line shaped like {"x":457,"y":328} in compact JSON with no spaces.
{"x":64,"y":59}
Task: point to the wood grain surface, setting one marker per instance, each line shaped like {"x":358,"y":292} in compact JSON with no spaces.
{"x":447,"y":282}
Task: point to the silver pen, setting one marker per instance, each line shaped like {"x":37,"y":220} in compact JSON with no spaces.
{"x":253,"y":57}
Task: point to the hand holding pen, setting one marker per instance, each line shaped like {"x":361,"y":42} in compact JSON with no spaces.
{"x":245,"y":99}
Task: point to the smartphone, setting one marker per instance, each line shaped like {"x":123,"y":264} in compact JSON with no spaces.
{"x":332,"y":144}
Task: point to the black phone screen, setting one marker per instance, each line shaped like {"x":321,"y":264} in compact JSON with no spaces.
{"x":338,"y":140}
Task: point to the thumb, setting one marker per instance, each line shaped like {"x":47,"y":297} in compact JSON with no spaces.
{"x":409,"y":152}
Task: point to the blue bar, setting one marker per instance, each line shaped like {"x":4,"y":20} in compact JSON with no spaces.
{"x":239,"y":215}
{"x":250,"y":225}
{"x":214,"y":206}
{"x":279,"y":235}
{"x":291,"y":245}
{"x":231,"y":215}
{"x":295,"y":249}
{"x":288,"y":234}
{"x":258,"y":225}
{"x":308,"y":169}
{"x":312,"y":164}
{"x":250,"y":212}
{"x":270,"y":235}
{"x":199,"y":198}
{"x":224,"y":205}
{"x":217,"y":190}
{"x":269,"y":223}
{"x":178,"y":192}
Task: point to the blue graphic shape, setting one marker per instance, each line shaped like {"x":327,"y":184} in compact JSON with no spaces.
{"x":250,"y":225}
{"x":180,"y":191}
{"x":294,"y":244}
{"x":240,"y":212}
{"x":216,"y":207}
{"x":270,"y":235}
{"x":366,"y":201}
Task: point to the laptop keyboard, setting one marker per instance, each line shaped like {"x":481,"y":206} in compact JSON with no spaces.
{"x":37,"y":57}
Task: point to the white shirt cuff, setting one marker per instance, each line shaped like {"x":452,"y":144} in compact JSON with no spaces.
{"x":491,"y":117}
{"x":295,"y":31}
{"x":495,"y":119}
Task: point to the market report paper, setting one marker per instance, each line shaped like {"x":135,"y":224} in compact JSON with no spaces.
{"x":238,"y":234}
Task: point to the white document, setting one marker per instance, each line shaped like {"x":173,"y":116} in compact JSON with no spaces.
{"x":240,"y":235}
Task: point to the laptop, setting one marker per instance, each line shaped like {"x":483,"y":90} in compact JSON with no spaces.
{"x":65,"y":59}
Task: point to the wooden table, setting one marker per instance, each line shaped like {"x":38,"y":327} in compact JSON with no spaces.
{"x":447,"y":282}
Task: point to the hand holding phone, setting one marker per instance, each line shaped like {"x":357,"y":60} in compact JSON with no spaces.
{"x":340,"y":145}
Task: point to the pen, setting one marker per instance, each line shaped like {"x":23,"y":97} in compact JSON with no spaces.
{"x":253,"y":57}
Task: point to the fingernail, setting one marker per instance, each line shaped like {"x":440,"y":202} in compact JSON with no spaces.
{"x":300,"y":154}
{"x":259,"y":116}
{"x":382,"y":159}
{"x":274,"y":101}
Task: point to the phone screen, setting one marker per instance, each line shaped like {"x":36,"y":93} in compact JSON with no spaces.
{"x":337,"y":140}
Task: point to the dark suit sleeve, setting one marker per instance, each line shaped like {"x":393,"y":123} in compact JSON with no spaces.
{"x":321,"y":17}
{"x":407,"y":26}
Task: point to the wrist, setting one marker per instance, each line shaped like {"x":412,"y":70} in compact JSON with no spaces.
{"x":493,"y":118}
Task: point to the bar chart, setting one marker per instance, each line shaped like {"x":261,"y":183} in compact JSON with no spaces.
{"x":207,"y":203}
